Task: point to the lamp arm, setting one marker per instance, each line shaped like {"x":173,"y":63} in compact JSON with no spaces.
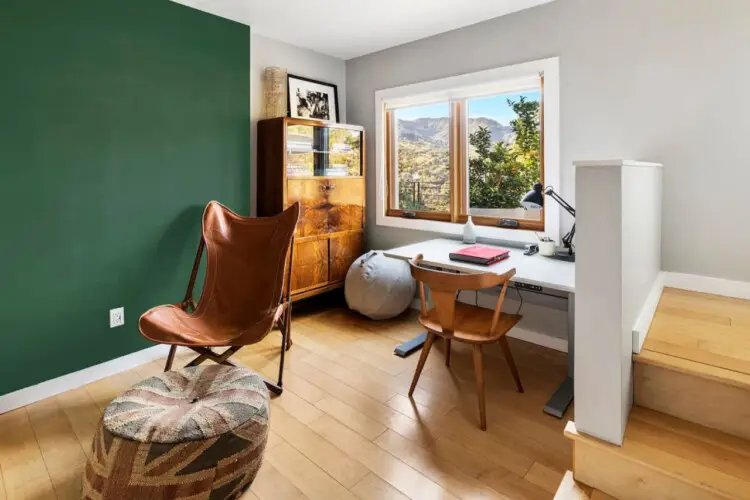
{"x":552,"y":194}
{"x":568,"y":239}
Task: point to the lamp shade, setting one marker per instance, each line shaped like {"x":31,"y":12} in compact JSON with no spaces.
{"x":533,"y":199}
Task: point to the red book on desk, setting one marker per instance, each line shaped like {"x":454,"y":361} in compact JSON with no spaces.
{"x":478,"y":254}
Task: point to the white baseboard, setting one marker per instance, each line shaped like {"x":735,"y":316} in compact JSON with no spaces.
{"x":643,"y":321}
{"x":706,"y":284}
{"x":49,"y":388}
{"x":530,"y":336}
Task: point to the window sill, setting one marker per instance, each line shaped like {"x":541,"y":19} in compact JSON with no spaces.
{"x":449,"y":228}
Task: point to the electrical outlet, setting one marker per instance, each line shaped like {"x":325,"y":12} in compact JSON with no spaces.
{"x":116,"y":317}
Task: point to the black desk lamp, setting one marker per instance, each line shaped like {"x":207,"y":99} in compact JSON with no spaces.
{"x":568,"y":254}
{"x":534,"y":199}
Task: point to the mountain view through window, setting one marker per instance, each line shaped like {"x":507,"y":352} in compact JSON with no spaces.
{"x":503,"y":154}
{"x":423,"y":157}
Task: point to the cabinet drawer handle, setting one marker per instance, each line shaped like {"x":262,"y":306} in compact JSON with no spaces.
{"x":327,"y":187}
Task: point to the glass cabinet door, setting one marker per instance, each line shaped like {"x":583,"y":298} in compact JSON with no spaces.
{"x":345,"y":147}
{"x":300,"y":156}
{"x":323,"y":151}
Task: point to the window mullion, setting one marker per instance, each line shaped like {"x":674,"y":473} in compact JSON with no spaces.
{"x":457,"y":146}
{"x":542,"y":162}
{"x":463,"y":148}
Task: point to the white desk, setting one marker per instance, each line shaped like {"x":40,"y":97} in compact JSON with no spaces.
{"x":535,"y":272}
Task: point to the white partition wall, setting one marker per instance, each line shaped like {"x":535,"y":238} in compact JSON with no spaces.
{"x":618,"y":261}
{"x":642,"y":276}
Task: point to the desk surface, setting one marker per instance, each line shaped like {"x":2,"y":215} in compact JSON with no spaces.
{"x":534,"y":270}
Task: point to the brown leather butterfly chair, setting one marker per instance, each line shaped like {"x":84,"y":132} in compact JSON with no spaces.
{"x":454,"y":320}
{"x":245,"y":292}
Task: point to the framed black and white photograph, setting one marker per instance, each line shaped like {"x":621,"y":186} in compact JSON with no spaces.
{"x":312,"y":99}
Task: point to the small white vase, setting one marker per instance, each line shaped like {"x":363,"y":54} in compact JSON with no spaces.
{"x":470,"y":233}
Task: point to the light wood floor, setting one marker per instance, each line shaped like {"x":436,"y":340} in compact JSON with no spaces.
{"x":703,"y":328}
{"x":344,"y":427}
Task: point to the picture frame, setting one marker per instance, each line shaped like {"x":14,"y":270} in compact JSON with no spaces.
{"x":312,"y":99}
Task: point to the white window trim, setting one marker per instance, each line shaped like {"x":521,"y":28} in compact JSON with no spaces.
{"x":480,"y":83}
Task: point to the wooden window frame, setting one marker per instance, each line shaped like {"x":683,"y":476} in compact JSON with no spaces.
{"x":459,"y":171}
{"x":391,"y":162}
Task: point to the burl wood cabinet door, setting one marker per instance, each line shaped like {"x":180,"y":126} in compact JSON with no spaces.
{"x":347,"y":199}
{"x":327,"y":205}
{"x":313,"y":205}
{"x":345,"y":248}
{"x":310,"y":266}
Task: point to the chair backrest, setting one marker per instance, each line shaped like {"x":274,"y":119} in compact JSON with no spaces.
{"x":444,"y":288}
{"x":245,"y":270}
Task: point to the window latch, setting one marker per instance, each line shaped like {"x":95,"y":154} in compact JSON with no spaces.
{"x":409,"y":215}
{"x":509,"y":223}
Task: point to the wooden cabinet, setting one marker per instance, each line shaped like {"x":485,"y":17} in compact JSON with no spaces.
{"x":310,"y":266}
{"x":322,"y":166}
{"x":343,"y":249}
{"x":327,"y":205}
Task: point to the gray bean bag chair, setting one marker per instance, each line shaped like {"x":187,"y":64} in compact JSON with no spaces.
{"x":379,"y":287}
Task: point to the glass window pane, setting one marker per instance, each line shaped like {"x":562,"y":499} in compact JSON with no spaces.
{"x":422,"y":159}
{"x":504,"y":155}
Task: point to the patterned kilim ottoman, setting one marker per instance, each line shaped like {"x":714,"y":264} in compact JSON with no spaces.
{"x":196,"y":433}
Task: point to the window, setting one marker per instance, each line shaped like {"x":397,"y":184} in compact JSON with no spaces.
{"x":471,"y":145}
{"x":486,"y":150}
{"x":505,"y":161}
{"x":420,"y":160}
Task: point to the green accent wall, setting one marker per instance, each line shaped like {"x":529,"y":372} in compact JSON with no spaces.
{"x":119,"y":121}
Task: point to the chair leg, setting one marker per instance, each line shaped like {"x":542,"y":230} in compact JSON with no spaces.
{"x":479,"y":374}
{"x":511,"y":363}
{"x":204,"y":355}
{"x":170,"y":358}
{"x":285,"y":329}
{"x":422,"y":359}
{"x":447,"y":351}
{"x":208,"y":353}
{"x":288,"y":325}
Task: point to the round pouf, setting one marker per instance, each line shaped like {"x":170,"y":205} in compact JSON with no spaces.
{"x":378,"y":286}
{"x":195,"y":433}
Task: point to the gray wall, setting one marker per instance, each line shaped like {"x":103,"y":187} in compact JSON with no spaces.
{"x":656,"y":80}
{"x":266,"y":52}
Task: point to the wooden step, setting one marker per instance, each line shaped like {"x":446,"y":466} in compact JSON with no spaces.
{"x":664,"y":458}
{"x":707,"y":329}
{"x":704,"y":394}
{"x":570,"y":489}
{"x":695,"y":362}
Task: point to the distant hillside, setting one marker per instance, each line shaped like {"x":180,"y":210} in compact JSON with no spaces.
{"x":435,"y":130}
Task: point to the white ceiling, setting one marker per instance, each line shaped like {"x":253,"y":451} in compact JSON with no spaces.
{"x":351,"y":28}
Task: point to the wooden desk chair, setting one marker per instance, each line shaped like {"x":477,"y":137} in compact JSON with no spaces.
{"x":453,"y":320}
{"x":245,"y":291}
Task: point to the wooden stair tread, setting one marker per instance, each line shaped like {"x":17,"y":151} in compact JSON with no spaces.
{"x":570,"y":489}
{"x":707,"y":329}
{"x":703,"y":457}
{"x":695,"y":368}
